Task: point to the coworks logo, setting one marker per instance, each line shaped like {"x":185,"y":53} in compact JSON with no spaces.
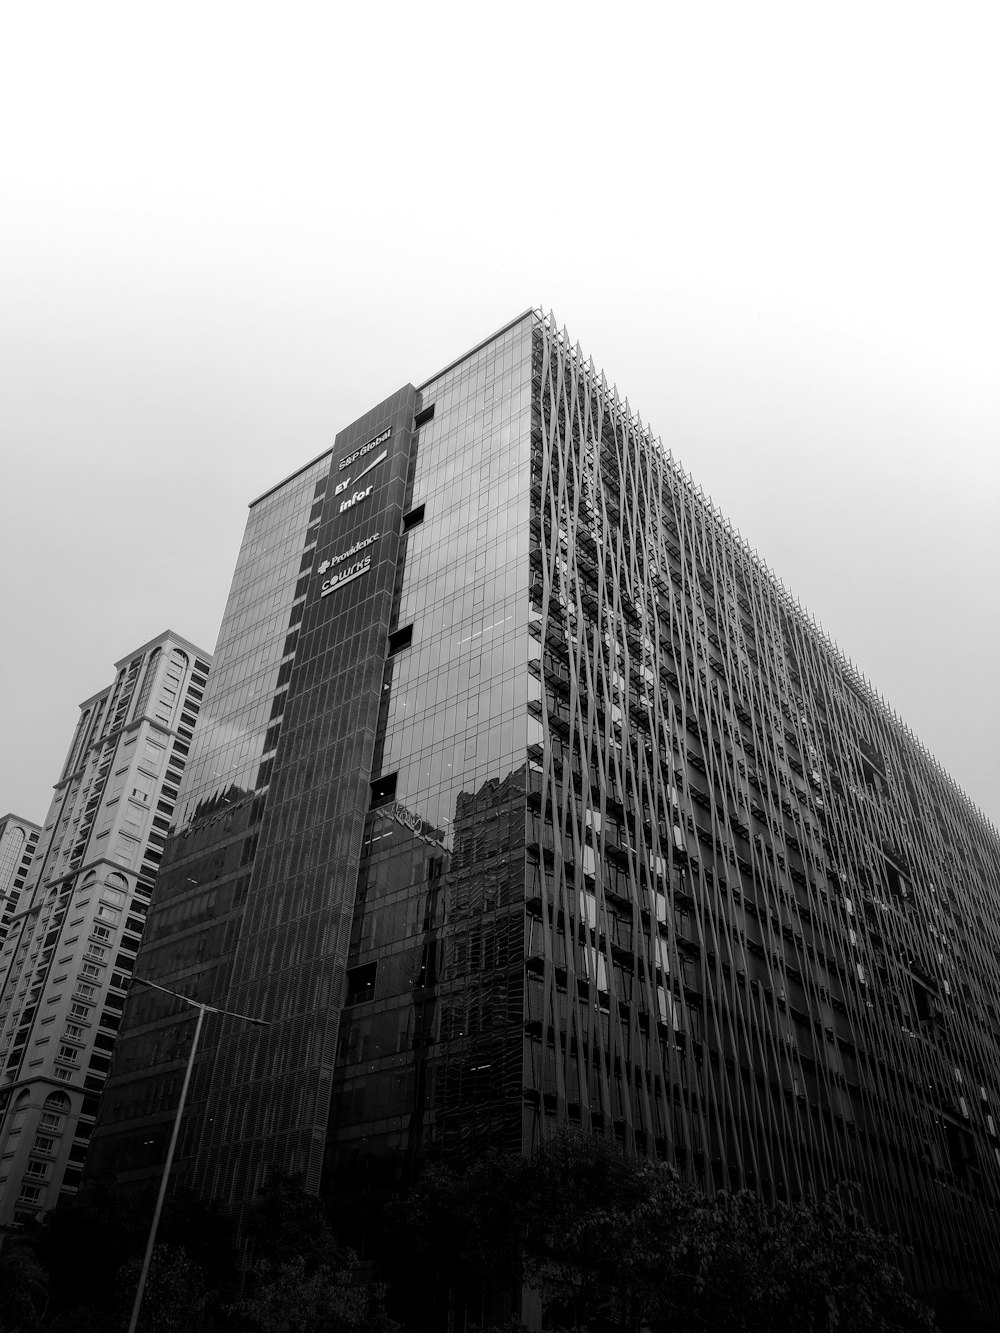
{"x":350,"y":572}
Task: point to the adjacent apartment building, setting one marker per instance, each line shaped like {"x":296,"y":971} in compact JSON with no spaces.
{"x":525,"y":794}
{"x":18,"y":840}
{"x":71,"y":944}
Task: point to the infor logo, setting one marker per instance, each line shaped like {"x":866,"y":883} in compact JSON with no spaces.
{"x":356,"y":498}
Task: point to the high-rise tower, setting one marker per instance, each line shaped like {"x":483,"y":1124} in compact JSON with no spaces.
{"x":18,"y":840}
{"x":525,"y":794}
{"x":70,"y":950}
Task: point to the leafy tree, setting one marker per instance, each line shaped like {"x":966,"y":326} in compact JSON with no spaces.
{"x":84,"y":1241}
{"x":291,"y":1299}
{"x":801,"y":1269}
{"x":92,"y":1246}
{"x":175,"y":1296}
{"x":285,"y":1225}
{"x":24,"y":1288}
{"x":456,"y":1243}
{"x":203,"y":1230}
{"x":300,"y":1280}
{"x":598,"y":1224}
{"x":617,"y":1244}
{"x":955,"y":1312}
{"x":604,"y":1243}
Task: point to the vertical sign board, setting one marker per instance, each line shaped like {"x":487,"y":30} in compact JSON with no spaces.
{"x":300,"y":899}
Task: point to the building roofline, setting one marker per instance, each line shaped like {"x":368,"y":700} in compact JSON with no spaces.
{"x":99,"y":694}
{"x":20,"y":819}
{"x":437,"y":375}
{"x":291,"y":477}
{"x":478,"y":347}
{"x":158,"y":639}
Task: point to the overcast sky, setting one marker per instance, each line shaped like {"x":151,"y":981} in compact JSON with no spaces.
{"x":227,"y":230}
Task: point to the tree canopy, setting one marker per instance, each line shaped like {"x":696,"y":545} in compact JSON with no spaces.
{"x":611,"y":1244}
{"x":599,"y":1242}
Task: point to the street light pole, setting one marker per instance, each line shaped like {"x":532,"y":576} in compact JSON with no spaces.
{"x":203,"y":1009}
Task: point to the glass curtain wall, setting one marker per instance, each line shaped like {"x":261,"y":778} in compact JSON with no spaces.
{"x":429,"y":1057}
{"x":194,"y":918}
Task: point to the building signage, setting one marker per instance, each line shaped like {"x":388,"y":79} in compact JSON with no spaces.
{"x":351,"y":550}
{"x":343,"y":485}
{"x":351,"y":572}
{"x":365,"y":449}
{"x":356,"y":498}
{"x":347,"y":575}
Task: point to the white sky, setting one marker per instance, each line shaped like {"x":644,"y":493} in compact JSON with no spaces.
{"x":227,"y":230}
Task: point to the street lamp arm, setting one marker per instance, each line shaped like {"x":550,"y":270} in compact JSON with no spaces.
{"x":203,"y":1009}
{"x":208,"y":1008}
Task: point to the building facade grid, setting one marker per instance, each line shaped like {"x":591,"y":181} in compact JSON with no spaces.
{"x":568,"y":812}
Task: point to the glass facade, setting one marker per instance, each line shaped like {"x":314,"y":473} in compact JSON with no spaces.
{"x":430,"y":1048}
{"x":269,"y":1091}
{"x":456,"y":715}
{"x":278,"y":548}
{"x":566,"y":812}
{"x":760,"y":921}
{"x":203,"y":879}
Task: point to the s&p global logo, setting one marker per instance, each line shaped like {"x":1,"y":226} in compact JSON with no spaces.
{"x":365,"y":449}
{"x":358,"y":496}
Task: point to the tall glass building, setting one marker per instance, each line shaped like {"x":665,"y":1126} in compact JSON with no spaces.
{"x":523,"y":793}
